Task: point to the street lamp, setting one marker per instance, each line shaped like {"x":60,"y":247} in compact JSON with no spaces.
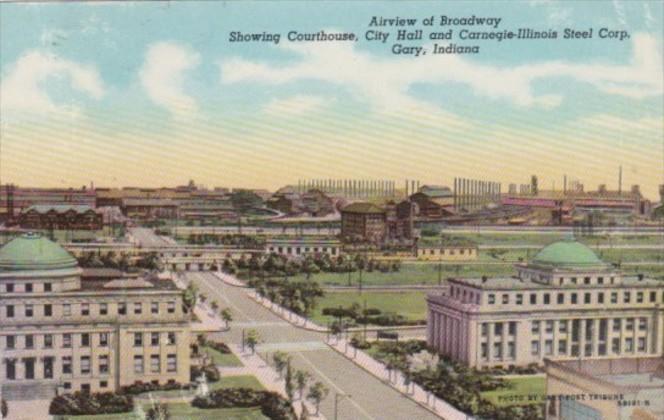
{"x":337,"y":397}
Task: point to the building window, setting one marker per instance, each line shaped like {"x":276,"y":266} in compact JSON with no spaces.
{"x":85,"y":365}
{"x":641,"y":344}
{"x":103,"y":363}
{"x":103,"y":384}
{"x":519,"y":299}
{"x":562,"y":326}
{"x":534,"y":348}
{"x":548,"y":327}
{"x":548,"y":347}
{"x":10,"y":369}
{"x":48,"y":310}
{"x":639,"y":297}
{"x":66,"y":365}
{"x":506,"y":298}
{"x":653,"y":297}
{"x":171,"y":338}
{"x":154,"y":339}
{"x":573,"y":280}
{"x":66,"y":309}
{"x":85,"y":340}
{"x":614,"y":297}
{"x":617,"y":325}
{"x":511,"y":350}
{"x":138,"y":308}
{"x":547,"y":298}
{"x":103,"y":339}
{"x":10,"y":342}
{"x":138,"y":339}
{"x":492,"y":298}
{"x":66,"y":340}
{"x":615,"y":345}
{"x":497,"y":351}
{"x":629,"y":345}
{"x":48,"y":341}
{"x":512,"y":328}
{"x":28,"y":287}
{"x":9,"y":310}
{"x":562,"y":347}
{"x":643,"y":324}
{"x":484,"y":349}
{"x":9,"y":287}
{"x":586,"y":280}
{"x":498,"y":328}
{"x":29,"y":341}
{"x":485,"y":329}
{"x":138,"y":364}
{"x":601,"y":349}
{"x":103,"y":309}
{"x":629,"y":324}
{"x":586,"y":298}
{"x":627,"y":297}
{"x":600,"y":280}
{"x":122,"y":308}
{"x":85,"y":309}
{"x":574,"y":300}
{"x":600,"y":297}
{"x":155,"y":365}
{"x":172,"y":363}
{"x":533,"y":299}
{"x":170,"y":308}
{"x":29,"y":311}
{"x":48,"y":287}
{"x":535,"y":327}
{"x":154,"y":307}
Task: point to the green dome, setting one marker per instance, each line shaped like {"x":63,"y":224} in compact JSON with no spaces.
{"x":34,"y":252}
{"x":567,"y":254}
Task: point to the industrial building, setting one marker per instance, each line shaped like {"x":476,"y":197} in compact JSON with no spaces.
{"x":64,"y":334}
{"x":564,"y":304}
{"x":60,"y":217}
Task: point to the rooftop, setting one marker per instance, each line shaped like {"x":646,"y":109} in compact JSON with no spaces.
{"x":366,"y":208}
{"x":34,"y":252}
{"x":59,"y":208}
{"x":514,"y":283}
{"x":568,"y":253}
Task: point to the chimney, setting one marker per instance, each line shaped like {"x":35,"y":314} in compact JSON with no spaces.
{"x":484,"y":279}
{"x":601,"y":188}
{"x":636,"y":190}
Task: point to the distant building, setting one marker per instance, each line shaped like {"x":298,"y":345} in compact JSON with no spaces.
{"x":63,"y":334}
{"x":625,"y":388}
{"x":434,"y":201}
{"x":363,"y":222}
{"x":564,"y":304}
{"x":313,"y":203}
{"x":60,"y":217}
{"x":447,"y":252}
{"x":400,"y":220}
{"x":301,"y":247}
{"x":15,"y":199}
{"x":150,"y":208}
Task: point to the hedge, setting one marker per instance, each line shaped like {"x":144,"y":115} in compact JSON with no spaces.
{"x":80,"y":403}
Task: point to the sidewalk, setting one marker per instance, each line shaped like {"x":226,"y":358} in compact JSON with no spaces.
{"x":415,"y":392}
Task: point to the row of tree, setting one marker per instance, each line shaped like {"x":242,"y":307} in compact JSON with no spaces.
{"x":300,"y":380}
{"x":121,"y":261}
{"x":299,"y":297}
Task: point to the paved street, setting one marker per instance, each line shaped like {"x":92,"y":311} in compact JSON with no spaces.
{"x":147,"y":238}
{"x":371,"y":398}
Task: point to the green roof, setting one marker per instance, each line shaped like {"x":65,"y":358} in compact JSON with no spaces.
{"x":34,"y":252}
{"x":567,"y":254}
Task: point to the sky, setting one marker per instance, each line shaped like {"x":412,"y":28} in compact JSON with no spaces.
{"x":154,"y":94}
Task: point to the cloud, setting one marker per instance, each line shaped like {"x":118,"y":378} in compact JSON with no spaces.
{"x":295,"y":106}
{"x":385,"y":83}
{"x":22,"y":88}
{"x":163,"y":74}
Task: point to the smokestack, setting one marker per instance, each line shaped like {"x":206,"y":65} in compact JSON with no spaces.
{"x":620,"y":179}
{"x":565,"y":183}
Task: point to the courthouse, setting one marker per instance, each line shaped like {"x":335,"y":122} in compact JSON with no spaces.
{"x":564,"y":304}
{"x":63,"y":334}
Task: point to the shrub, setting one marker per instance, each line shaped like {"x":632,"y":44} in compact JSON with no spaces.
{"x":272,"y":405}
{"x":80,"y":403}
{"x":141,"y":387}
{"x":220,"y":347}
{"x":210,"y":371}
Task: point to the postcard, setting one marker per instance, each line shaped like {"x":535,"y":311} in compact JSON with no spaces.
{"x":354,"y":210}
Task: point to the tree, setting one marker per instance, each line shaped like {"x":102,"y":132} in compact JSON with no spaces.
{"x":158,"y":412}
{"x":226,"y":316}
{"x":251,"y":340}
{"x":202,"y":297}
{"x":317,"y":393}
{"x":289,"y":381}
{"x":189,"y":296}
{"x":281,"y":361}
{"x":215,"y":305}
{"x":302,"y":378}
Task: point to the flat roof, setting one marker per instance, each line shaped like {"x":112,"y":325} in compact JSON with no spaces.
{"x":511,"y":283}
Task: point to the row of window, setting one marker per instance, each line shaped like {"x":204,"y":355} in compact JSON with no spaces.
{"x":563,"y":326}
{"x":27,"y":287}
{"x":85,"y":309}
{"x":565,"y":298}
{"x":84,"y":365}
{"x":85,"y":339}
{"x":443,"y":251}
{"x":564,"y":348}
{"x":300,"y":250}
{"x":587,"y":280}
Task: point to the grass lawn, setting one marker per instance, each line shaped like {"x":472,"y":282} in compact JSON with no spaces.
{"x":520,"y":391}
{"x":222,"y":359}
{"x":183,"y":411}
{"x":411,"y":305}
{"x":239,"y":381}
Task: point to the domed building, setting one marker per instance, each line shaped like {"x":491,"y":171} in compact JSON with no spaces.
{"x":64,"y":334}
{"x":564,"y":304}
